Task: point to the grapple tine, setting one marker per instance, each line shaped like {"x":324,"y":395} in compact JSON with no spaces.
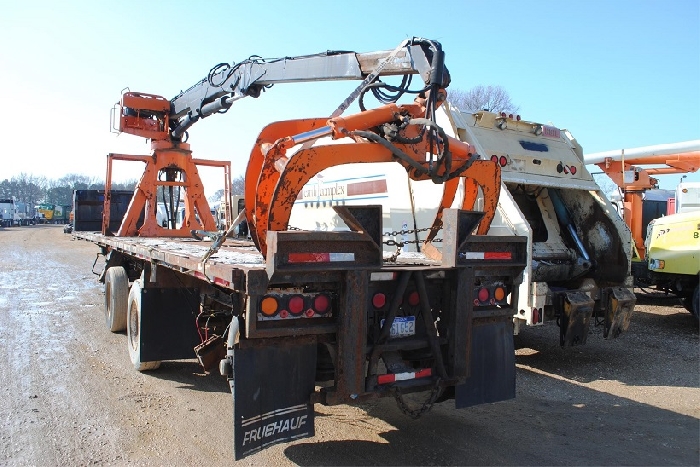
{"x":487,"y":175}
{"x":481,"y":174}
{"x":301,"y":168}
{"x":269,"y":135}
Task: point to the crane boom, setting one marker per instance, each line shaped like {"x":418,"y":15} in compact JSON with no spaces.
{"x":227,"y":83}
{"x":154,"y":117}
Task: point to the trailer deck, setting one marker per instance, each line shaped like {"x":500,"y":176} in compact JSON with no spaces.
{"x":186,"y":254}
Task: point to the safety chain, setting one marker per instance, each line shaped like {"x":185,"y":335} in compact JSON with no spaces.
{"x":427,"y":405}
{"x":400,"y":245}
{"x":393,"y":257}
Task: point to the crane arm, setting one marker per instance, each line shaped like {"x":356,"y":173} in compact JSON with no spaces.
{"x":227,"y":83}
{"x":154,"y":117}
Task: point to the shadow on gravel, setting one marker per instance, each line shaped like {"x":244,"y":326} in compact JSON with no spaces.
{"x":659,"y":349}
{"x":191,"y":376}
{"x":526,"y":431}
{"x":658,"y":299}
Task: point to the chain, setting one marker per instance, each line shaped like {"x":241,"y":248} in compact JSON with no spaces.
{"x":427,"y":405}
{"x":406,"y":232}
{"x":399,"y":245}
{"x":392,"y":258}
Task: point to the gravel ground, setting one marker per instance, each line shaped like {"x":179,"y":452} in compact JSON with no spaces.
{"x":69,"y":395}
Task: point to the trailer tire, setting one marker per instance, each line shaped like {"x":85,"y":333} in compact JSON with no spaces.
{"x":134,"y":327}
{"x":116,"y":298}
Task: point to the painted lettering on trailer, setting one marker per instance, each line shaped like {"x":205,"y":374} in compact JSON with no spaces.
{"x":341,"y":190}
{"x":271,"y":429}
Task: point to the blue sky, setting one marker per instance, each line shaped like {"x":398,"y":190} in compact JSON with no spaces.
{"x":617,"y":74}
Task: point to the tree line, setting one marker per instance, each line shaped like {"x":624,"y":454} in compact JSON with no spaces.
{"x":34,"y":190}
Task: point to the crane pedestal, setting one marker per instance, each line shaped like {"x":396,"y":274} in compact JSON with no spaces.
{"x":169,"y":165}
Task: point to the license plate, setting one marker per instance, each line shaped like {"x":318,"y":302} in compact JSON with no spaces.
{"x":402,"y":326}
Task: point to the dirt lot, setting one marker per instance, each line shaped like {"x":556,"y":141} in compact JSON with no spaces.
{"x":69,"y":395}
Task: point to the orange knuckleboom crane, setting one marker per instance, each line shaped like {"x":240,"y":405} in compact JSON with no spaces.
{"x":633,"y":171}
{"x":405,"y":133}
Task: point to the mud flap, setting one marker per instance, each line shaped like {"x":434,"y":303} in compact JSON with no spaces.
{"x":271,"y":388}
{"x":619,"y":310}
{"x":166,"y":330}
{"x":576,"y":312}
{"x":492,"y":366}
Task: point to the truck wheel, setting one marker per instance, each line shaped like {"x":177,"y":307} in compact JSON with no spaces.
{"x":133,"y":329}
{"x":696,"y":303}
{"x":116,"y":298}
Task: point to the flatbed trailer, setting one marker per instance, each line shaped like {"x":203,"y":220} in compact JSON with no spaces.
{"x":326,"y":318}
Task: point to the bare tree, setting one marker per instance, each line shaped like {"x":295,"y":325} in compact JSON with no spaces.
{"x":238,"y":185}
{"x":237,"y":189}
{"x":492,"y":98}
{"x":218,"y":194}
{"x":27,"y":188}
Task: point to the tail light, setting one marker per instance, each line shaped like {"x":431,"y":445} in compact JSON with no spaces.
{"x":322,"y":304}
{"x":413,"y":298}
{"x":502,"y":161}
{"x":378,"y":300}
{"x":269,"y":306}
{"x":499,"y":293}
{"x":295,"y":305}
{"x":491,"y":294}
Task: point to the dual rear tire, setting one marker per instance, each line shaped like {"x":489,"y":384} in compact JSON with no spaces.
{"x":116,"y":298}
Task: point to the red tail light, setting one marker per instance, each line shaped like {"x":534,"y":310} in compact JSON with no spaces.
{"x":379,"y":300}
{"x":483,"y":295}
{"x":502,"y":161}
{"x":413,"y":298}
{"x":296,"y":305}
{"x":322,"y":303}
